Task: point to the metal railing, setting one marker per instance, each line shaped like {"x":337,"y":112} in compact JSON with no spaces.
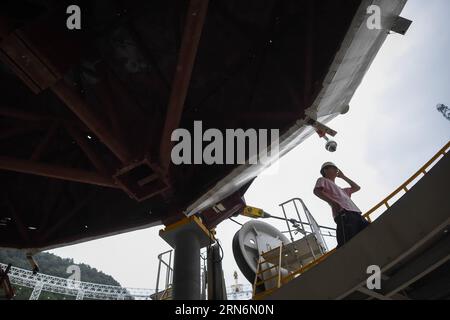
{"x":404,"y":187}
{"x":169,"y":270}
{"x":82,"y":290}
{"x":311,"y":223}
{"x":315,"y":229}
{"x":260,"y":272}
{"x":85,"y":290}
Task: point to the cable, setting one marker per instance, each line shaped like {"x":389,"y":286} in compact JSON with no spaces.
{"x":296,"y":221}
{"x":201,"y":256}
{"x":236,"y":222}
{"x":208,"y":249}
{"x":221,"y":251}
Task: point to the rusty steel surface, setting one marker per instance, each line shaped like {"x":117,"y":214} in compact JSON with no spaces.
{"x":86,"y":115}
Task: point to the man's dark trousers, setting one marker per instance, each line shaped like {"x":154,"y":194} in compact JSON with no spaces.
{"x":349,"y":224}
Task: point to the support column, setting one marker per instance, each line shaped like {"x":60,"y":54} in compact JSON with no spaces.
{"x":186,"y":276}
{"x":187,"y":237}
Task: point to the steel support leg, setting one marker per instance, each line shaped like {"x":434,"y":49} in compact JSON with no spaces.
{"x":186,"y":276}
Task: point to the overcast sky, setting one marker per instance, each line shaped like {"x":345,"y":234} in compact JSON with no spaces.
{"x":392,"y":129}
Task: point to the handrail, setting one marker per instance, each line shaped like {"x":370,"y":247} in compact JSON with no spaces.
{"x":262,"y":260}
{"x":165,"y":295}
{"x":404,"y":186}
{"x":308,"y":266}
{"x":169,"y":269}
{"x":312,"y":223}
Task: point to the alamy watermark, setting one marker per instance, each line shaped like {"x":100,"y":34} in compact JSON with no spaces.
{"x":373,"y":282}
{"x":374,"y":19}
{"x":73,"y":22}
{"x":73,"y":281}
{"x":235,"y":146}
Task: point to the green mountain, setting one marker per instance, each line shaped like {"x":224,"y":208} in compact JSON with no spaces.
{"x":52,"y":265}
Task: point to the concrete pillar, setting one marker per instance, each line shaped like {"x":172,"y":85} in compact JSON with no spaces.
{"x":186,"y":271}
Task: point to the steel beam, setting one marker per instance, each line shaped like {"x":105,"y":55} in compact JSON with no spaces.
{"x":309,"y":48}
{"x":23,"y":115}
{"x":18,"y":222}
{"x":55,"y":171}
{"x":18,"y":131}
{"x":55,"y":192}
{"x":373,"y":294}
{"x":66,"y":218}
{"x":79,"y":106}
{"x":43,"y":145}
{"x":419,"y":268}
{"x":38,"y":119}
{"x":89,"y":151}
{"x":192,"y":32}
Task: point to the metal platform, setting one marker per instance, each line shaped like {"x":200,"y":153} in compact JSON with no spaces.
{"x":410,"y":243}
{"x":295,"y":254}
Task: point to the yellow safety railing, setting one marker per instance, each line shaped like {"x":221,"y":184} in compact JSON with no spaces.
{"x":260,"y":272}
{"x":286,"y":279}
{"x":403,"y":187}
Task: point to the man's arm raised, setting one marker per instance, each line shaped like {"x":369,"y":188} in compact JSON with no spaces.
{"x":355,"y":187}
